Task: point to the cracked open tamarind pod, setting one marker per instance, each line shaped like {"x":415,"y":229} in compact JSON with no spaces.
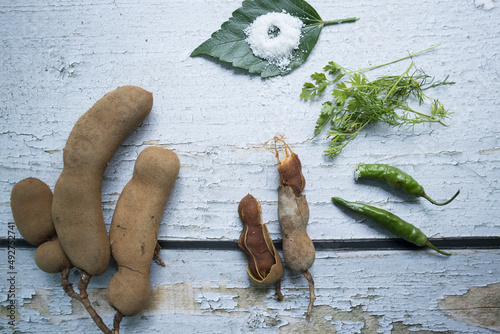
{"x":264,"y":262}
{"x":293,"y":215}
{"x":290,"y":171}
{"x":134,"y":228}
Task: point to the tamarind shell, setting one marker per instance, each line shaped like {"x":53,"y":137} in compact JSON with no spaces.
{"x":293,"y":215}
{"x":290,"y":171}
{"x":276,"y":272}
{"x":264,"y":263}
{"x":129,"y":291}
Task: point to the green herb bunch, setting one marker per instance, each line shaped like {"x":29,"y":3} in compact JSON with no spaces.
{"x":358,"y":102}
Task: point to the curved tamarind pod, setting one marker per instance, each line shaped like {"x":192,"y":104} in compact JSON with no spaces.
{"x":134,"y":228}
{"x":77,"y":206}
{"x":293,"y":212}
{"x":264,"y":263}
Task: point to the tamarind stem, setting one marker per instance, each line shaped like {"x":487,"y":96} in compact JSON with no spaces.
{"x":84,"y":299}
{"x":83,"y":296}
{"x":312,"y":295}
{"x":67,"y":286}
{"x":156,"y":256}
{"x":116,"y":322}
{"x":278,"y":291}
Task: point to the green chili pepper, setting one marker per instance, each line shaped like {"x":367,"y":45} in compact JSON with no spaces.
{"x":397,"y":178}
{"x":391,"y":222}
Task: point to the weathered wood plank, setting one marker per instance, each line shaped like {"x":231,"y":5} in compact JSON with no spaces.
{"x":209,"y":292}
{"x":59,"y":57}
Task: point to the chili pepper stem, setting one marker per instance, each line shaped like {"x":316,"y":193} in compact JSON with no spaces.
{"x":428,"y":243}
{"x":312,"y":295}
{"x":347,"y":20}
{"x":424,"y":195}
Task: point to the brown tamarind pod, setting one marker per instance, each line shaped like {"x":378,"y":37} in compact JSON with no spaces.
{"x":135,"y":225}
{"x":293,"y":215}
{"x":51,"y":258}
{"x":31,"y":205}
{"x":290,"y":171}
{"x":264,"y":263}
{"x":77,"y":205}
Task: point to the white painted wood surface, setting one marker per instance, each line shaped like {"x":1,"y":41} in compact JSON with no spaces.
{"x":209,"y":292}
{"x":59,"y":57}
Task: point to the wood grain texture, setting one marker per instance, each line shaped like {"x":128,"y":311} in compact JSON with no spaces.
{"x":60,"y":56}
{"x":209,"y":292}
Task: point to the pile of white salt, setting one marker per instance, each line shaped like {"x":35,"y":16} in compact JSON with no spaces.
{"x":274,"y":37}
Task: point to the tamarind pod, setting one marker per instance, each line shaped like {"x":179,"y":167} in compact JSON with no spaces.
{"x":298,"y":248}
{"x":31,"y":203}
{"x":264,"y":263}
{"x":134,"y":228}
{"x":293,"y":216}
{"x":51,"y":258}
{"x":76,"y":207}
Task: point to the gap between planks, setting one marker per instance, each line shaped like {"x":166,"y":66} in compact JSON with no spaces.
{"x":350,"y":245}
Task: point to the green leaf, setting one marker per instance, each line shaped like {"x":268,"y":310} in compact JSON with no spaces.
{"x":325,"y":117}
{"x":308,"y":91}
{"x":327,"y":109}
{"x":340,"y":96}
{"x":318,"y":77}
{"x":332,"y":68}
{"x":228,"y":43}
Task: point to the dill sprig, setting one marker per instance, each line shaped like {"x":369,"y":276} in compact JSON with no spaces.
{"x":358,"y":102}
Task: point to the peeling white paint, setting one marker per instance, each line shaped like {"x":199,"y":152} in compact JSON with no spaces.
{"x":485,"y":4}
{"x":203,"y":111}
{"x":213,"y":301}
{"x":59,"y":57}
{"x":353,"y":294}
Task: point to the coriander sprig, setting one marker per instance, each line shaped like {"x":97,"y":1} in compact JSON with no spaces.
{"x":358,"y":102}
